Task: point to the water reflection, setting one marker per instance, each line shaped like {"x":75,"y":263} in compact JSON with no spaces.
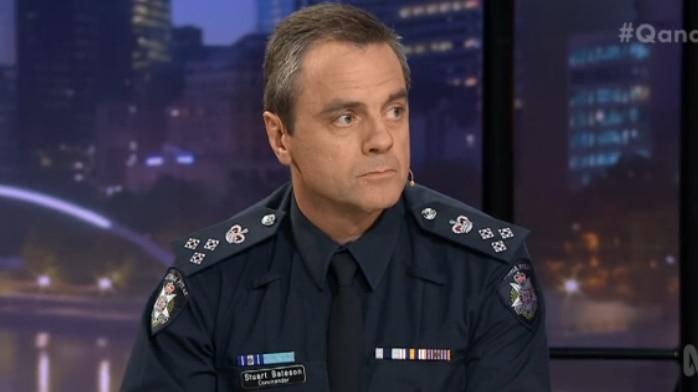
{"x":79,"y":361}
{"x":44,"y":372}
{"x":104,"y":375}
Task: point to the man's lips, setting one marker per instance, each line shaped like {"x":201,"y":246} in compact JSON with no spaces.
{"x":379,"y":173}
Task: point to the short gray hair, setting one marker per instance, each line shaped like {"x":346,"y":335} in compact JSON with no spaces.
{"x":309,"y":26}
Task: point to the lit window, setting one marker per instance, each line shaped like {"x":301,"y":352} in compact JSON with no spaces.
{"x":418,"y":10}
{"x":471,"y":4}
{"x":405,"y":13}
{"x":639,"y":93}
{"x":432,"y":9}
{"x":471,"y":81}
{"x":471,"y":43}
{"x":639,"y":51}
{"x":470,"y":140}
{"x":445,"y":7}
{"x":599,"y":116}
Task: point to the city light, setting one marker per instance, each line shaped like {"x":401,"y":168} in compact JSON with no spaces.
{"x":154,"y":161}
{"x":471,"y":43}
{"x":185,"y":159}
{"x":104,"y":375}
{"x":444,"y":7}
{"x":470,"y":140}
{"x":41,"y":340}
{"x":571,"y":286}
{"x":132,"y":160}
{"x":104,"y":284}
{"x":43,"y":281}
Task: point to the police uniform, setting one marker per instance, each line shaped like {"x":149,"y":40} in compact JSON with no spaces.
{"x":449,"y":296}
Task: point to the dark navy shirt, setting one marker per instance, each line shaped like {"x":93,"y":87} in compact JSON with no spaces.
{"x":450,"y":299}
{"x":372,"y":251}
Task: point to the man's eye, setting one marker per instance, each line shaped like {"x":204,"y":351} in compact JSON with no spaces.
{"x":345,"y":119}
{"x":397,"y":111}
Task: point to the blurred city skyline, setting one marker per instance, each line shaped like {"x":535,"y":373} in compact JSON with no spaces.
{"x":222,"y":21}
{"x":175,"y":142}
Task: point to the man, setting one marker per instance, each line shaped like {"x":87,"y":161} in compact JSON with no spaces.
{"x":349,"y":278}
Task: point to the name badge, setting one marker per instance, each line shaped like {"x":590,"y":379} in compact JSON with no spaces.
{"x":273,"y":377}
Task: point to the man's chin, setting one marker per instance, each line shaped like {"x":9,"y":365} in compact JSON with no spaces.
{"x":381,"y":199}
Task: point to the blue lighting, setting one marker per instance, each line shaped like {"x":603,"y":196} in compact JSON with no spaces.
{"x":154,"y":161}
{"x":185,"y":159}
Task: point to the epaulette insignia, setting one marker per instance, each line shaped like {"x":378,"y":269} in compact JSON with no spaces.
{"x":208,"y":246}
{"x":485,"y":234}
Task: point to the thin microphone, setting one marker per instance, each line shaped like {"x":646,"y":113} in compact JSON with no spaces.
{"x":411,"y":178}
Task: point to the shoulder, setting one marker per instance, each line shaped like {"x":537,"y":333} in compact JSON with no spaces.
{"x":204,"y":248}
{"x":442,"y":216}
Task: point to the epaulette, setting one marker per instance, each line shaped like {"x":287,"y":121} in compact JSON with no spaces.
{"x":464,"y":225}
{"x":203,"y":248}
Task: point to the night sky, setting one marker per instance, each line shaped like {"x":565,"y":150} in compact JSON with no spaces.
{"x":223,"y":21}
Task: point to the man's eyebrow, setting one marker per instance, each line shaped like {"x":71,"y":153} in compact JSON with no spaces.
{"x":340,"y":104}
{"x":402,"y":94}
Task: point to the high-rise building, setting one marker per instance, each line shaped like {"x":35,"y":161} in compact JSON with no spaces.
{"x":215,"y":131}
{"x":442,"y":37}
{"x":443,"y":40}
{"x":271,"y":12}
{"x":135,"y":41}
{"x":620,"y":102}
{"x":187,"y":44}
{"x":58,"y":63}
{"x":74,"y":56}
{"x":145,"y":26}
{"x":8,"y":122}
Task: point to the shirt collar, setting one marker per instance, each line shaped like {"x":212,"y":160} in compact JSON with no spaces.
{"x":372,"y":251}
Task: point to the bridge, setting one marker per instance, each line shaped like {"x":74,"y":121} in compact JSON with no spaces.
{"x":62,"y":312}
{"x":88,"y":216}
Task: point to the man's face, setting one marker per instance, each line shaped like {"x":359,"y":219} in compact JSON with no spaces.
{"x":350,"y":145}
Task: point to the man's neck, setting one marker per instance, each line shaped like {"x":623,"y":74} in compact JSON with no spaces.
{"x":343,"y":225}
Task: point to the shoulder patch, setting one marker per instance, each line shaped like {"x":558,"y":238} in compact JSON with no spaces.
{"x":170,"y":301}
{"x":208,"y":246}
{"x":473,"y":229}
{"x":519,"y":292}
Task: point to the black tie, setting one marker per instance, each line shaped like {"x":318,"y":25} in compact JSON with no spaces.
{"x":346,"y":334}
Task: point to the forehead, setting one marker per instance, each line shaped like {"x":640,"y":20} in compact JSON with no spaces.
{"x":335,"y":68}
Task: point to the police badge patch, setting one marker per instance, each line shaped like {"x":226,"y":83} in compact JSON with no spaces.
{"x":518,"y":291}
{"x":171,"y":299}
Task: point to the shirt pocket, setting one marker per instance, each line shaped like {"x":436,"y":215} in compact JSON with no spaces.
{"x":417,"y":376}
{"x":284,"y":378}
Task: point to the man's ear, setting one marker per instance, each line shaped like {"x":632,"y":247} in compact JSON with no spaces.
{"x":278,"y":136}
